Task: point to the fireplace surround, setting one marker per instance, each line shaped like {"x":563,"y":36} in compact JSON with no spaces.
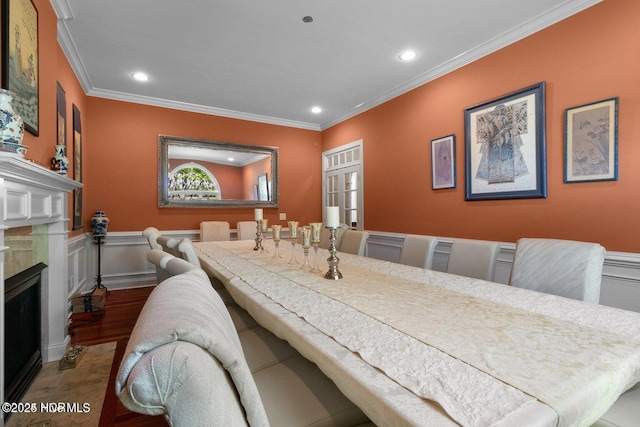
{"x":22,"y":352}
{"x":31,"y":195}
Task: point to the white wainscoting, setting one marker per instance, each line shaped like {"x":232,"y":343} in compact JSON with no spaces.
{"x":124,"y":263}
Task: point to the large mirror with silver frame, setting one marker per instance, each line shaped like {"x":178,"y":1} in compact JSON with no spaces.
{"x":208,"y":174}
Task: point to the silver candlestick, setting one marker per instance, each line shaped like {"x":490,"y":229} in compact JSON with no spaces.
{"x":333,"y":260}
{"x":258,"y":246}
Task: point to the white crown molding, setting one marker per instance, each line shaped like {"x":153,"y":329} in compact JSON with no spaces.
{"x":195,"y":108}
{"x":555,"y":15}
{"x":70,"y":51}
{"x":62,"y":8}
{"x":560,"y":12}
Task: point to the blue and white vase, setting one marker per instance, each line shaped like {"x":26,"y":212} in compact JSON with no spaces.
{"x":99,"y":224}
{"x":60,"y":162}
{"x":11,"y":125}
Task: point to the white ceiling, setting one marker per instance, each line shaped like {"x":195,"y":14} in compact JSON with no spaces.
{"x":257,"y":60}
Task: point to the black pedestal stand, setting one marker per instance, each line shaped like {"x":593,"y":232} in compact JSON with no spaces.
{"x":98,"y":240}
{"x":91,"y":316}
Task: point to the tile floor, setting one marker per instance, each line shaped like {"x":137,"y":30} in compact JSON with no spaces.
{"x":84,"y":384}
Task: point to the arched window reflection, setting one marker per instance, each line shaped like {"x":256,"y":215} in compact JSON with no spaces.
{"x":191,"y":181}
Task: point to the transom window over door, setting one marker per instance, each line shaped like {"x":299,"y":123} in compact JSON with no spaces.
{"x":342,"y":182}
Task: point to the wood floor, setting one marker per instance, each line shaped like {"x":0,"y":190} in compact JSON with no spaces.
{"x":115,"y":323}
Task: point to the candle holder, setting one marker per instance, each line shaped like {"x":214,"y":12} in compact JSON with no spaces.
{"x":315,"y":243}
{"x":276,"y":240}
{"x":258,"y":246}
{"x":306,"y":244}
{"x":333,"y":260}
{"x":293,"y":236}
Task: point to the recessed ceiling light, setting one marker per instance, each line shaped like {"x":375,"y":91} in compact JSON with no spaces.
{"x":231,"y":159}
{"x":140,"y":76}
{"x":316,"y":110}
{"x":408,"y":55}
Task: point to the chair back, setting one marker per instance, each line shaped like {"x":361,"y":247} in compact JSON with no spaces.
{"x":188,"y":252}
{"x":473,"y":258}
{"x":152,"y":234}
{"x":168,"y":265}
{"x":246,"y":230}
{"x":325,"y":234}
{"x":418,"y":250}
{"x":354,"y":242}
{"x":169,"y":245}
{"x":560,"y":267}
{"x":214,"y":231}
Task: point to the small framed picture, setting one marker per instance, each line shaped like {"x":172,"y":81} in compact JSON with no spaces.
{"x":443,"y":162}
{"x":591,"y":142}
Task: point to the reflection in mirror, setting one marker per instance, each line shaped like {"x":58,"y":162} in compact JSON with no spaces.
{"x":199,"y":173}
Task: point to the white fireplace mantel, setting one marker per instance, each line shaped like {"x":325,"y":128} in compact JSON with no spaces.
{"x":33,"y":195}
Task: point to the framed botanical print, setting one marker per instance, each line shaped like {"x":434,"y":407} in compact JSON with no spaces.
{"x":505,"y":153}
{"x":591,"y":142}
{"x":20,"y":59}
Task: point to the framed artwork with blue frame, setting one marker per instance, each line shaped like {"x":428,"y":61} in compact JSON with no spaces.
{"x":591,"y":142}
{"x":505,"y":146}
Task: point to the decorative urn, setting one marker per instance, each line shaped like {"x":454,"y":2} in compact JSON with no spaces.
{"x":99,"y":224}
{"x":11,"y":126}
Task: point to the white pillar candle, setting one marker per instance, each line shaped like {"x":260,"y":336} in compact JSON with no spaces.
{"x":257,"y":214}
{"x":333,"y":216}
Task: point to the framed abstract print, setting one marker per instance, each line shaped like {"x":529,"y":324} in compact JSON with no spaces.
{"x":591,"y":142}
{"x":505,"y":153}
{"x":443,"y":162}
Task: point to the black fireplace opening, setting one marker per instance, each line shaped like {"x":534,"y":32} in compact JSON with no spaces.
{"x":22,"y":335}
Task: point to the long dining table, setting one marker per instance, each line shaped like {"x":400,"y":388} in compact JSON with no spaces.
{"x":417,"y":347}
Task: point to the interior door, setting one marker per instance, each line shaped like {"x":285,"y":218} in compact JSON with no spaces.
{"x":343,"y":183}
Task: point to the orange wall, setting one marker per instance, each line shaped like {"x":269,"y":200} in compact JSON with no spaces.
{"x":121,"y":161}
{"x":588,"y":57}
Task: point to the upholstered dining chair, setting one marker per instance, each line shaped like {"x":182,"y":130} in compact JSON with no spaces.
{"x":214,"y":231}
{"x":473,"y":258}
{"x":354,"y":242}
{"x":231,"y":373}
{"x":560,"y":267}
{"x":246,"y":230}
{"x":418,"y":250}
